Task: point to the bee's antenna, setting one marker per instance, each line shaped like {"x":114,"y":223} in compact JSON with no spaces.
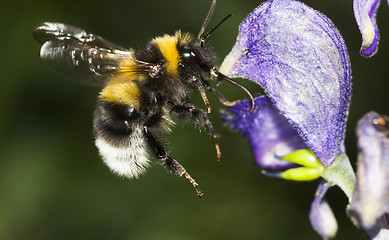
{"x":206,"y":21}
{"x":202,"y":40}
{"x":205,"y":24}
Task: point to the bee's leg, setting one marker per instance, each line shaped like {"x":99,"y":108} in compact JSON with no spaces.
{"x":162,"y":155}
{"x":200,"y":118}
{"x":219,"y":95}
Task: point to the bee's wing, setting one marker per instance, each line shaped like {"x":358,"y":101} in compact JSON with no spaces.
{"x":79,"y":54}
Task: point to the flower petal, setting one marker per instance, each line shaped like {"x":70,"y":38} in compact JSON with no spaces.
{"x":379,"y":231}
{"x":298,"y":56}
{"x":364,"y":11}
{"x":269,"y":133}
{"x":321,"y":216}
{"x":371,"y":196}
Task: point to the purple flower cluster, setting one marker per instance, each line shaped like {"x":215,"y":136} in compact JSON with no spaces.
{"x":297,"y":130}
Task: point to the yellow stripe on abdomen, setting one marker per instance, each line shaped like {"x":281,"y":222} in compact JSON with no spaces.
{"x":122,"y":93}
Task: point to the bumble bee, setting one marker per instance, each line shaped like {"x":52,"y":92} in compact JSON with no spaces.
{"x":144,"y":90}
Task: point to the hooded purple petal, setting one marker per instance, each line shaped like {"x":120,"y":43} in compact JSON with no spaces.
{"x":321,"y":216}
{"x":371,"y":196}
{"x":298,"y":56}
{"x":364,"y":11}
{"x":269,"y":133}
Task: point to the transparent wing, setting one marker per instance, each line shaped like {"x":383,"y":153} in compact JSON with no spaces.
{"x":59,"y":31}
{"x":78,"y":54}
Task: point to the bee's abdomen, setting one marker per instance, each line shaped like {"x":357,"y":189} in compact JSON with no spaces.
{"x":120,"y":139}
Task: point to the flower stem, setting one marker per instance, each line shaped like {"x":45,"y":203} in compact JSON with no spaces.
{"x":341,"y":173}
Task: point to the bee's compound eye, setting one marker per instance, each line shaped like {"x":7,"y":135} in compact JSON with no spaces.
{"x":188,"y":54}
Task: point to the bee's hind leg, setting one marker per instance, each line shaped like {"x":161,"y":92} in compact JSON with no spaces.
{"x":160,"y":152}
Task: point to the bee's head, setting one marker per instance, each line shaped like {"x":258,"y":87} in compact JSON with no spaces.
{"x":197,"y":61}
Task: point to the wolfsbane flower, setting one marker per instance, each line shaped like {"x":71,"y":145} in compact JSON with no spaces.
{"x":299,"y":58}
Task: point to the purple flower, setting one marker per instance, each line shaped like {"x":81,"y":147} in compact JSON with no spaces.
{"x":370,"y":202}
{"x":298,"y":56}
{"x":297,"y":130}
{"x":365,"y":11}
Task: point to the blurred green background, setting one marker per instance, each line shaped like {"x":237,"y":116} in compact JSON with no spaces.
{"x":53,"y":184}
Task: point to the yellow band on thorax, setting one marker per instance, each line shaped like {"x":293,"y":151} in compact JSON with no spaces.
{"x":168,"y":46}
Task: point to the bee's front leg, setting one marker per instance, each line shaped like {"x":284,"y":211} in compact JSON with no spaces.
{"x":200,"y":118}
